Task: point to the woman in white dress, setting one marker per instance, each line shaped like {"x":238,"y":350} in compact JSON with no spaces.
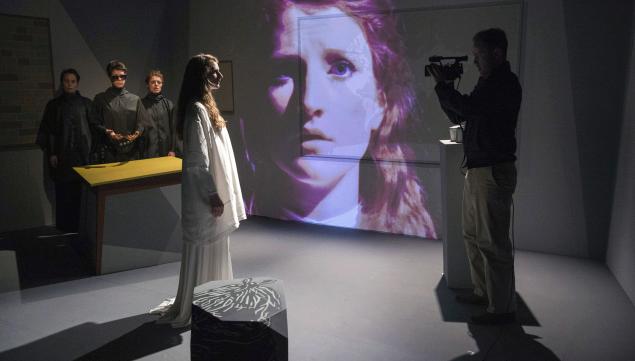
{"x":212,"y":203}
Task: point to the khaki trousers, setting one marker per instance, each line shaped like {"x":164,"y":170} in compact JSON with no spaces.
{"x":487,"y":198}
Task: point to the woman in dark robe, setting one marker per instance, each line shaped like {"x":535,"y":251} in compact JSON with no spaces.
{"x":123,"y":120}
{"x":162,"y":135}
{"x":65,"y":138}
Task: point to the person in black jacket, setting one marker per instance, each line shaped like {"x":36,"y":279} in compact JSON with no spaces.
{"x":161,"y":137}
{"x":490,"y":114}
{"x":65,"y":137}
{"x":122,"y":119}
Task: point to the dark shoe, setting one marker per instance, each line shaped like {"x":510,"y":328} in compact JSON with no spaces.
{"x":471,"y":299}
{"x":493,"y":318}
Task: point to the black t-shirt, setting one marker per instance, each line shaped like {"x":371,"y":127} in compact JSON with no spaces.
{"x":490,"y":113}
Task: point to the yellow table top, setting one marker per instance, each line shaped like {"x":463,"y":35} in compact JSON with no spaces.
{"x":100,"y":174}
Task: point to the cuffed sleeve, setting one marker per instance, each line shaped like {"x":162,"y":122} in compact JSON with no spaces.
{"x":196,"y":160}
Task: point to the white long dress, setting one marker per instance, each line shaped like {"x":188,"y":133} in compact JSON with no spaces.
{"x":208,"y":167}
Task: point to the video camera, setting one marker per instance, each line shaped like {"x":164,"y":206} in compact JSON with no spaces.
{"x":451,"y":71}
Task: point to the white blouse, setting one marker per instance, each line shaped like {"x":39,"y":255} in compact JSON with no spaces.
{"x":208,"y":167}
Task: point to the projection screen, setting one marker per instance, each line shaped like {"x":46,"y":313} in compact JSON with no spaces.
{"x":337,"y":123}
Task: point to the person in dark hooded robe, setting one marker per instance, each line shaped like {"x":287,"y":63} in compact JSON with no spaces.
{"x":160,"y":109}
{"x":123,"y":120}
{"x":65,"y":137}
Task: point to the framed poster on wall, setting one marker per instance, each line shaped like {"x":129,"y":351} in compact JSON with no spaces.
{"x":26,"y":78}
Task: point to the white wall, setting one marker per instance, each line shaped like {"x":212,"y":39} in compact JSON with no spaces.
{"x":548,"y":202}
{"x":621,"y":248}
{"x":598,"y":37}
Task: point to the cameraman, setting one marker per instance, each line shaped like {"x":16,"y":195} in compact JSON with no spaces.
{"x":490,"y":114}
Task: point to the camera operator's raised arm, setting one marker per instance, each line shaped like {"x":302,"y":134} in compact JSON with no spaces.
{"x":488,"y":102}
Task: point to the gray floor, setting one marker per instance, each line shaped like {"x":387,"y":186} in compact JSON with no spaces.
{"x":351,"y":296}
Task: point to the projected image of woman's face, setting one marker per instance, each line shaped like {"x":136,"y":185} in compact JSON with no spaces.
{"x":326,"y":138}
{"x":336,"y":90}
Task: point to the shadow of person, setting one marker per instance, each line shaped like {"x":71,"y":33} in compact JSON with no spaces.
{"x":504,"y":343}
{"x":128,"y":338}
{"x":453,"y":311}
{"x":144,"y":340}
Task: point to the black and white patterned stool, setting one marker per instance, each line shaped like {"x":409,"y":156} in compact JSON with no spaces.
{"x":241,"y":319}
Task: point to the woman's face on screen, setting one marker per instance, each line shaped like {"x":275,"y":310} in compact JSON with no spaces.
{"x":323,"y":92}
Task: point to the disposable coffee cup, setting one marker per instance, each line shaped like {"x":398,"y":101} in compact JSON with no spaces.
{"x":456,"y":134}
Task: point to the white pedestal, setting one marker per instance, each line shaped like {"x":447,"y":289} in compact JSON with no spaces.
{"x":455,"y":264}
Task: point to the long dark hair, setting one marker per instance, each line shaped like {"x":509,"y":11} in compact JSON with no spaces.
{"x":197,"y":87}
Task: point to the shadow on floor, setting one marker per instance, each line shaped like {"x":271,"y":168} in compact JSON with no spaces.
{"x":147,"y":339}
{"x":495,"y":343}
{"x":452,"y":311}
{"x":43,"y":256}
{"x":504,"y":343}
{"x":129,"y":338}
